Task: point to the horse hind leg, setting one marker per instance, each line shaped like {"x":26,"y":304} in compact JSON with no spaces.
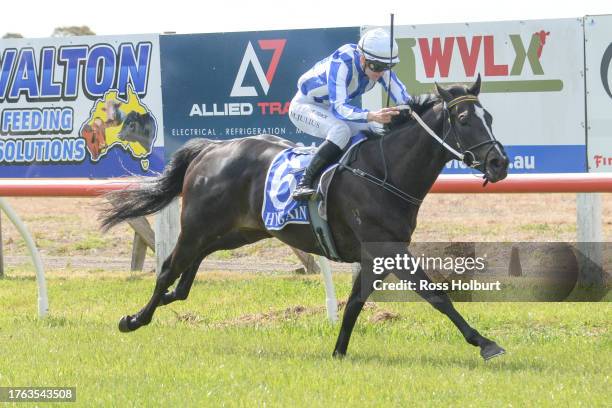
{"x":183,"y":287}
{"x":232,"y":240}
{"x":182,"y":257}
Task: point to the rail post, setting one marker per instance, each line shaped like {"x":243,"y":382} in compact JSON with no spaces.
{"x":589,"y":237}
{"x":43,"y":302}
{"x":167,"y":228}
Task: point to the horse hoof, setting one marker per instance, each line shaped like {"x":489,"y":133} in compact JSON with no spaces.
{"x":124,"y":324}
{"x":338,"y":355}
{"x":491,"y":350}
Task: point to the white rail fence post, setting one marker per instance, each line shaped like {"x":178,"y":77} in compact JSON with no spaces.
{"x":589,"y":233}
{"x":167,"y":228}
{"x":330,"y":292}
{"x":43,"y":301}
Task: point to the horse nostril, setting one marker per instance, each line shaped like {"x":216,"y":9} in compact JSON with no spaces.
{"x":494,"y":163}
{"x":498,"y":163}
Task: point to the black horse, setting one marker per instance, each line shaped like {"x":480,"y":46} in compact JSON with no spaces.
{"x":222,"y":186}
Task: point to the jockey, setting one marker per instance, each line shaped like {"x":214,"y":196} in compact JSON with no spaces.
{"x":322,"y":106}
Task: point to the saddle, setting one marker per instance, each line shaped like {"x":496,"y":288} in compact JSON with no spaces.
{"x":279,"y":208}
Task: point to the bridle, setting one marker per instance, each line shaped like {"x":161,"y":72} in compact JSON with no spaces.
{"x":466,"y":156}
{"x":470,"y":162}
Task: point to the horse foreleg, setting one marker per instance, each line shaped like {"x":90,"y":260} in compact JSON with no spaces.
{"x":354,"y":305}
{"x":441,"y":302}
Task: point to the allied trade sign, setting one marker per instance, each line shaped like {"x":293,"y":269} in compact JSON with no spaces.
{"x":80,"y":107}
{"x":233,"y":85}
{"x":533,"y":84}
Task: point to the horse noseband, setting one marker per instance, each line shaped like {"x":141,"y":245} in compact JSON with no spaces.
{"x":470,"y":159}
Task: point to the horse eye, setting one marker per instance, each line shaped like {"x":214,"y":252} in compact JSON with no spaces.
{"x":463,"y":117}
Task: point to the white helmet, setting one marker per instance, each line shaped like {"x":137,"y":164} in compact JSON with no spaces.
{"x":375,"y":45}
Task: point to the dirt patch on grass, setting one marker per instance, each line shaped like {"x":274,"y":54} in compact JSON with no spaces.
{"x":189,"y":318}
{"x":384,"y":316}
{"x":289,"y":314}
{"x":258,"y":319}
{"x":366,"y":306}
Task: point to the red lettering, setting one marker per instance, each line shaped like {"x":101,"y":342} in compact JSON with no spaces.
{"x":469,"y":57}
{"x":275,"y":107}
{"x":263,"y":106}
{"x":436,"y":57}
{"x":491,"y":69}
{"x":602,"y":161}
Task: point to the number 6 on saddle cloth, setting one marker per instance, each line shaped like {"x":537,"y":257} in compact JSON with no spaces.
{"x":280,"y":209}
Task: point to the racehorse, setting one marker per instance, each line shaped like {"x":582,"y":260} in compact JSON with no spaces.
{"x":222,"y":184}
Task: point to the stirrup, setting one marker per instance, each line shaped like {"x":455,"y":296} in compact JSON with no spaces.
{"x":303,"y":193}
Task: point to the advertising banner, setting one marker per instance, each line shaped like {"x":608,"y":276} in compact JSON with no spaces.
{"x":80,"y":107}
{"x":533,"y":85}
{"x":598,"y":51}
{"x":233,"y":85}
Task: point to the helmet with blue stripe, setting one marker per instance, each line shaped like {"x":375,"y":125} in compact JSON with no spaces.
{"x":375,"y":46}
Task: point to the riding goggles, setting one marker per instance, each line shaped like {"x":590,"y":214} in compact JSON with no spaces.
{"x":378,"y":66}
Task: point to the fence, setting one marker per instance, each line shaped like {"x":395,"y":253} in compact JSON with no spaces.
{"x":589,"y":217}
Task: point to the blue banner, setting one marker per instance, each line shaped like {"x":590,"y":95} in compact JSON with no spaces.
{"x":536,"y":159}
{"x":80,"y":107}
{"x":232,"y":85}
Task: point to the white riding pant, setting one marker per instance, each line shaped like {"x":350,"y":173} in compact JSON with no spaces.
{"x":317,"y":119}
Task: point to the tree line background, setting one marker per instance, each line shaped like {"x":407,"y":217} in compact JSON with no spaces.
{"x":70,"y":31}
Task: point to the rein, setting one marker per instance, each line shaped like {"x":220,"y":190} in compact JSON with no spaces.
{"x":424,"y":125}
{"x":472,"y":163}
{"x":382,"y":183}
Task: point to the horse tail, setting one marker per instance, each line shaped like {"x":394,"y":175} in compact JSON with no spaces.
{"x":151,"y":195}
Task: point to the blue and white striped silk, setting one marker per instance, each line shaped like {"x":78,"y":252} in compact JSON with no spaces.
{"x":338,"y":79}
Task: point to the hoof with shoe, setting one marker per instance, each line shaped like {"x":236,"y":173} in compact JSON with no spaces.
{"x":124,"y":324}
{"x":491,"y":350}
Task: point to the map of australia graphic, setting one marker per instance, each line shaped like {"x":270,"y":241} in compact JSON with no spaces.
{"x":120,"y":123}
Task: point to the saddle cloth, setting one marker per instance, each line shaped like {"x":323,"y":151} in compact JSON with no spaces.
{"x":283,"y":175}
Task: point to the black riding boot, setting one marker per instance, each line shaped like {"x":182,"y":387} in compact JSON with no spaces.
{"x":325,"y":155}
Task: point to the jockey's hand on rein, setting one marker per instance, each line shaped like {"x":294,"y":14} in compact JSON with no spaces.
{"x":384,"y":115}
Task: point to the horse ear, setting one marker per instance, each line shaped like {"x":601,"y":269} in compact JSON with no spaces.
{"x":447,"y":96}
{"x":475,"y":89}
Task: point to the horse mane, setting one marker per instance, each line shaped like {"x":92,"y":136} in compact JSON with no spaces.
{"x":421,"y":104}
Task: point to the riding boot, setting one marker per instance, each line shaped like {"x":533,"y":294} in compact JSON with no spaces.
{"x":325,"y":155}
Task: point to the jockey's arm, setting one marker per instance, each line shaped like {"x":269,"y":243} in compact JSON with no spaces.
{"x":399,"y":93}
{"x":338,"y":96}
